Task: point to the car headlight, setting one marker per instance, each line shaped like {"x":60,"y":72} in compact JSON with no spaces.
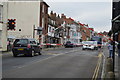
{"x":84,"y":46}
{"x":91,"y":46}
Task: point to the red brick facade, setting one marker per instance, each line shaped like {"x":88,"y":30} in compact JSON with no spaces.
{"x":43,"y":18}
{"x":44,"y":14}
{"x":85,"y":33}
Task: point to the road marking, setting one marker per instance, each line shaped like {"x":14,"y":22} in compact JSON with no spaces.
{"x":96,"y":72}
{"x":43,"y":59}
{"x":103,"y":67}
{"x":52,"y":53}
{"x":21,"y":66}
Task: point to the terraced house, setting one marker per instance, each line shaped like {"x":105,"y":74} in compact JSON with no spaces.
{"x":62,"y":29}
{"x":72,"y":31}
{"x":55,"y":30}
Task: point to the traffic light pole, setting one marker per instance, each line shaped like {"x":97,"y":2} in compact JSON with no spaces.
{"x":33,"y":31}
{"x":39,"y":29}
{"x":113,"y":51}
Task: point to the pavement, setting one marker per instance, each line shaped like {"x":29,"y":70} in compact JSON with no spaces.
{"x":106,"y":54}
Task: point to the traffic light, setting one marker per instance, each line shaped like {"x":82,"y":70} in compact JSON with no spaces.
{"x":11,"y":24}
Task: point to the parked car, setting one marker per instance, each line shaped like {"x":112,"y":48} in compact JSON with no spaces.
{"x":27,"y":47}
{"x":69,"y":44}
{"x":92,"y":45}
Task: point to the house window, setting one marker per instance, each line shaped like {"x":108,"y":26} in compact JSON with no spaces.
{"x":43,"y":9}
{"x":1,"y":10}
{"x":49,"y":29}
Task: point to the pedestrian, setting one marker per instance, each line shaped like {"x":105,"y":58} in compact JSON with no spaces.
{"x":118,"y":46}
{"x":110,"y":48}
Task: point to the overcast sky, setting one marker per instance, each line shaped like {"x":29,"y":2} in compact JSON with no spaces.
{"x":97,"y":15}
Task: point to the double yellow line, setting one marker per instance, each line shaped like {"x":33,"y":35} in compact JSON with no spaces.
{"x":96,"y":72}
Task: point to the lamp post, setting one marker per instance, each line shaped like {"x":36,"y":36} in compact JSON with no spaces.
{"x":114,"y":30}
{"x":39,"y":32}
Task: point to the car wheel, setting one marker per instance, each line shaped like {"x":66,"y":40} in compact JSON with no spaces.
{"x":83,"y":49}
{"x":32,"y":53}
{"x":39,"y":53}
{"x":96,"y":48}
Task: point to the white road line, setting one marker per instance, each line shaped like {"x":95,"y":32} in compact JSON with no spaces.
{"x":43,"y":59}
{"x":103,"y":67}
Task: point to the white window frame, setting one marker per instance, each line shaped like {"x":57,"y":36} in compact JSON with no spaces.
{"x":43,"y":8}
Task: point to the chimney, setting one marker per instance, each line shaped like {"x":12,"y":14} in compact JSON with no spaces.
{"x":51,"y":13}
{"x":55,"y":14}
{"x":63,"y":16}
{"x":58,"y":16}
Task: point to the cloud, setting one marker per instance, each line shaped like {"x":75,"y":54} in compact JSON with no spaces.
{"x":96,"y":14}
{"x":78,"y":0}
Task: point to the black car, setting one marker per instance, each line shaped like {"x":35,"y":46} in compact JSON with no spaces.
{"x":28,"y":47}
{"x":69,"y":44}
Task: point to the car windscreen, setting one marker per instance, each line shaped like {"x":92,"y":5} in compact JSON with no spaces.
{"x":68,"y":42}
{"x":87,"y":42}
{"x":21,"y":41}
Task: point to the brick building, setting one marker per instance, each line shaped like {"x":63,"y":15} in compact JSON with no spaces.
{"x":86,"y":32}
{"x":55,"y":30}
{"x":43,"y":21}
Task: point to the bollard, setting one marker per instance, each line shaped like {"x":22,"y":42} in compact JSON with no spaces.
{"x":109,"y":64}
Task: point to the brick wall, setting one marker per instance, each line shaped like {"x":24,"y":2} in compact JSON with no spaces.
{"x":85,"y":33}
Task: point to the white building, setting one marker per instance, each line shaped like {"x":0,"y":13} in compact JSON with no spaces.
{"x":75,"y":35}
{"x":3,"y":26}
{"x":28,"y":15}
{"x":73,"y":32}
{"x":1,"y":19}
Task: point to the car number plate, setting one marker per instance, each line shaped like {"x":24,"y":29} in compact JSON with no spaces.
{"x":20,"y":49}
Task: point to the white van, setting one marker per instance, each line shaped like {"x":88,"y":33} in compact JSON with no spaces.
{"x":92,"y":45}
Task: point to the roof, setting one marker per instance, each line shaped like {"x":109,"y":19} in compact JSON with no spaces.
{"x":46,"y":4}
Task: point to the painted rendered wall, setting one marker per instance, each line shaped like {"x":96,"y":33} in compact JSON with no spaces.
{"x":27,"y":15}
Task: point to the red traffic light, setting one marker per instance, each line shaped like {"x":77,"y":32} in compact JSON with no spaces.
{"x":11,"y":24}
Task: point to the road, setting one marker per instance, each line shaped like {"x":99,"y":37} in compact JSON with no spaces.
{"x":58,"y":63}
